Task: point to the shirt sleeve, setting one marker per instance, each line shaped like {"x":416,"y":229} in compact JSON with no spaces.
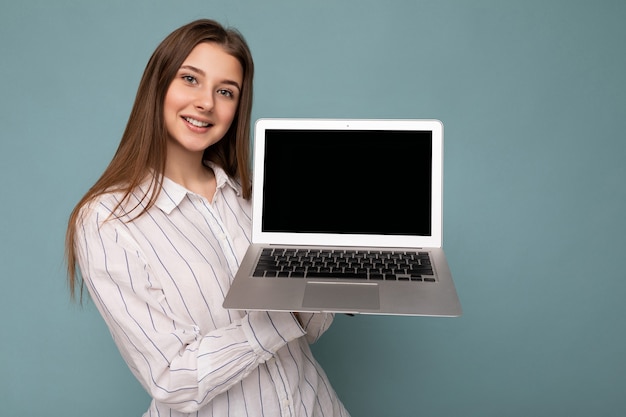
{"x":176,"y":364}
{"x":315,"y":324}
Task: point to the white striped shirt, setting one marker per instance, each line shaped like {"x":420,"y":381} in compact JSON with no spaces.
{"x":159,"y":283}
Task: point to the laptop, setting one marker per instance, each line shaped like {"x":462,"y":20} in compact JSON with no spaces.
{"x":347,"y":218}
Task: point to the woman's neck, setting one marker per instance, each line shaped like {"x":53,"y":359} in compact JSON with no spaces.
{"x":190,"y":172}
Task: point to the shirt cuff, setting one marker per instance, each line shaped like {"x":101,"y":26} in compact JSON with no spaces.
{"x":268,"y":331}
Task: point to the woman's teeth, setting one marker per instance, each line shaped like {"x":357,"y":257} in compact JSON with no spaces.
{"x":196,"y":123}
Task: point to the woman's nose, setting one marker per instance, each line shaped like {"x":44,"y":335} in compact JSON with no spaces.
{"x":204,"y":101}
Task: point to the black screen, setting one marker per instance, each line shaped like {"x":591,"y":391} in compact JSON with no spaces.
{"x":346,"y":181}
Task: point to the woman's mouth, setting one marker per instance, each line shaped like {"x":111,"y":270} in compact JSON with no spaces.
{"x":196,"y":123}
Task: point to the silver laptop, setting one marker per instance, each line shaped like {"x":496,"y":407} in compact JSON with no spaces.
{"x":347,"y":217}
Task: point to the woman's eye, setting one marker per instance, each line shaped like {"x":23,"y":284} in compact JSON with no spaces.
{"x":190,"y":79}
{"x":226,"y":93}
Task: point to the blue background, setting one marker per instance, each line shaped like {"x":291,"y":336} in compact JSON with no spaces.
{"x":533,"y":98}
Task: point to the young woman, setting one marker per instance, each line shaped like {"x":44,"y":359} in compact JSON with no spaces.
{"x":160,"y":236}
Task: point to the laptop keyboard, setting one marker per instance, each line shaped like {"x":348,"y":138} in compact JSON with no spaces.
{"x":345,"y":264}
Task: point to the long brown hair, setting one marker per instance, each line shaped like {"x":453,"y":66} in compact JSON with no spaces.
{"x":142,"y":149}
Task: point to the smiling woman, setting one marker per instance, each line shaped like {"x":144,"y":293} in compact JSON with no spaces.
{"x":159,"y":237}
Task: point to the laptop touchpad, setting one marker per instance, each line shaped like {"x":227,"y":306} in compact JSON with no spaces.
{"x":341,"y":296}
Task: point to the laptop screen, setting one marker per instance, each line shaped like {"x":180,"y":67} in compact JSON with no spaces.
{"x":373,"y":182}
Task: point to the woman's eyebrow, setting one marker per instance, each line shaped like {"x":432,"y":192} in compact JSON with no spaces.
{"x":233,"y":83}
{"x":192,"y":68}
{"x":202,"y":73}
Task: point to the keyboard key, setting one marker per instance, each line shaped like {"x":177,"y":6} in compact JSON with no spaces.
{"x":335,"y":275}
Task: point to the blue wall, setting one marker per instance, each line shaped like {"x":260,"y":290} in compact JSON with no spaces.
{"x":533,"y":98}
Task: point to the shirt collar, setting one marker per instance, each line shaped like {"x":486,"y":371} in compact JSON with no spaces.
{"x":172,"y":193}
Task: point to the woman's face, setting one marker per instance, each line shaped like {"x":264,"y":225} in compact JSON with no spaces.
{"x":202,"y":100}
